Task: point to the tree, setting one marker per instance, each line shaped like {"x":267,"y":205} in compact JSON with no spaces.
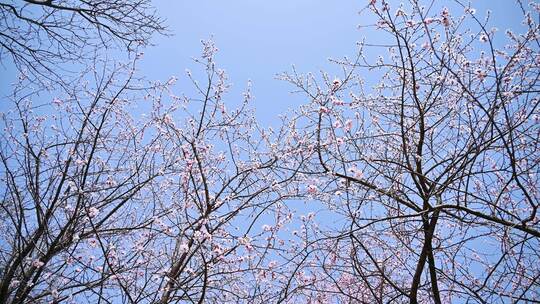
{"x":419,"y":187}
{"x":100,"y":205}
{"x":431,"y":173}
{"x":44,"y":39}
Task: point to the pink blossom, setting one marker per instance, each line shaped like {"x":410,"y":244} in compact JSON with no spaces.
{"x":480,"y":74}
{"x":14,"y":283}
{"x":445,"y":12}
{"x":93,"y":243}
{"x":110,"y":181}
{"x":183,"y":248}
{"x":312,"y":189}
{"x":429,"y":20}
{"x":470,"y":10}
{"x":167,"y":119}
{"x":93,"y":212}
{"x":446,"y":21}
{"x":37,"y":263}
{"x":445,"y":17}
{"x":266,"y":228}
{"x":337,"y":102}
{"x":356,"y":172}
{"x":336,"y":84}
{"x":483,"y":38}
{"x":55,"y":293}
{"x":348,"y":125}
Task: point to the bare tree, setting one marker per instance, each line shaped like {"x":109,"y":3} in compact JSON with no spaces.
{"x":431,"y":173}
{"x":40,"y":37}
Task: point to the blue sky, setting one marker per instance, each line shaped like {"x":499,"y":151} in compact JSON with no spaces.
{"x":258,"y":39}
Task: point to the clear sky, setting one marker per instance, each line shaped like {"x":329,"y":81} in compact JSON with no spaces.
{"x":258,"y":39}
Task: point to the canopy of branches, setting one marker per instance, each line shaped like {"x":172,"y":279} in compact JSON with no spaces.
{"x":413,"y":177}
